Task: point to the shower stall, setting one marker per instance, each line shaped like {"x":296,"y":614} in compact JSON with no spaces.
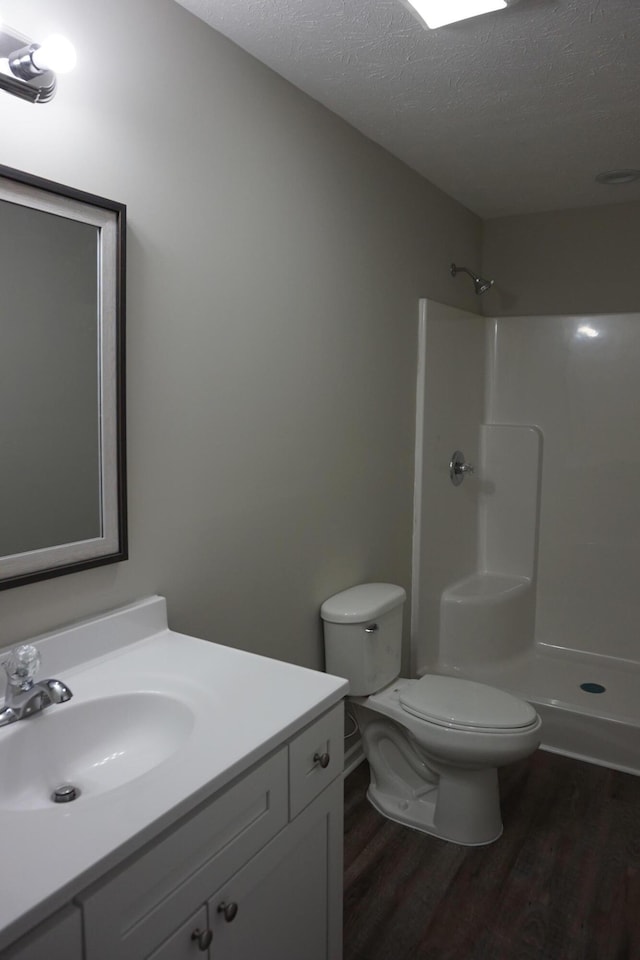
{"x":526,"y":575}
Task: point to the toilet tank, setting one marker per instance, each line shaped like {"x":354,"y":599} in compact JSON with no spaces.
{"x":363,"y":635}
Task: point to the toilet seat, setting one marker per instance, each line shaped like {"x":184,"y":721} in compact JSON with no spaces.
{"x":465,"y":705}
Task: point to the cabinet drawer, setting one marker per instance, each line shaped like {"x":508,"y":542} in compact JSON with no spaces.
{"x":137,"y":908}
{"x":307,"y":777}
{"x":281,"y":895}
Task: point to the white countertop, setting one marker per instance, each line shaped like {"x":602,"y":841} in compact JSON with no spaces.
{"x":243,"y":706}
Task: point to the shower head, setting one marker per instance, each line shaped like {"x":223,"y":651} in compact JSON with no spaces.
{"x":480,"y":284}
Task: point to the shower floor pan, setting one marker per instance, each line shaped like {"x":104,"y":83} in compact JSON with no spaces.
{"x":600,"y":724}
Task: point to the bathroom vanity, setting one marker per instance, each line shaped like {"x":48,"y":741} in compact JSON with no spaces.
{"x":209,"y":818}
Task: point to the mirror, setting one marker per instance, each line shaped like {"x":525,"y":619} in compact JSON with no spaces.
{"x":62,"y":428}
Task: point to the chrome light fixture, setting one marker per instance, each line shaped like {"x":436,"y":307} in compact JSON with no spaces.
{"x":28,"y":70}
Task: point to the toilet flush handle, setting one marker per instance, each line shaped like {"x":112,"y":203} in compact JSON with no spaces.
{"x":372,"y":628}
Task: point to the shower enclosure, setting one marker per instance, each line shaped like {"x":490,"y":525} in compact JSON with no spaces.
{"x":527,"y":575}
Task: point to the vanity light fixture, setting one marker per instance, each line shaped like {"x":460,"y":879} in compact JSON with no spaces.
{"x":438,"y":13}
{"x":28,"y":70}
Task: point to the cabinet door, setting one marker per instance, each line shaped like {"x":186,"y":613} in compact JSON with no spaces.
{"x":282,"y":904}
{"x":135,"y":909}
{"x":183,"y":945}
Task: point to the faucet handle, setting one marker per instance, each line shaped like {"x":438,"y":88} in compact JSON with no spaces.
{"x":22,"y":665}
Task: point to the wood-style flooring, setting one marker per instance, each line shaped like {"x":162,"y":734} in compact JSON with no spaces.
{"x":562,"y":883}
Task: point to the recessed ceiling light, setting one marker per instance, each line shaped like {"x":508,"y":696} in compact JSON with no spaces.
{"x":615,"y":177}
{"x":437,"y":13}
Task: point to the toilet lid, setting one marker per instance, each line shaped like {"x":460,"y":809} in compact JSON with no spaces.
{"x":451,"y":701}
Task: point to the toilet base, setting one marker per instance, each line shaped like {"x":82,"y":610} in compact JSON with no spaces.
{"x":456,"y":803}
{"x":419,"y":813}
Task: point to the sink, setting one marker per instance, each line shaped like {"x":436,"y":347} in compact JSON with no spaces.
{"x":96,"y":745}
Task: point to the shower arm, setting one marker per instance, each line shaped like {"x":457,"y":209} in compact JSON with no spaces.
{"x":455,"y":269}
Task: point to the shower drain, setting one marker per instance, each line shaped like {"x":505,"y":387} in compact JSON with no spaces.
{"x":592,"y":687}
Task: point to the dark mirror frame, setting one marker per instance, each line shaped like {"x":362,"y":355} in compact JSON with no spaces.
{"x":109,"y":217}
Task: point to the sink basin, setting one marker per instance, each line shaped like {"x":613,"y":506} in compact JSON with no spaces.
{"x":96,"y":745}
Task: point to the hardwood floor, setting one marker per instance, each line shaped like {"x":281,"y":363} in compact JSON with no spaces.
{"x":562,"y":883}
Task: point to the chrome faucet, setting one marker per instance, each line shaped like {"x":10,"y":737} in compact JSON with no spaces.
{"x":24,"y":695}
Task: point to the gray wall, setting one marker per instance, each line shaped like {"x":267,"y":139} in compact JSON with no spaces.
{"x":570,"y":261}
{"x":276,"y":258}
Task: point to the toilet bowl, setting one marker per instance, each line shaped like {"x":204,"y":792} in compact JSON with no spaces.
{"x":433,"y":744}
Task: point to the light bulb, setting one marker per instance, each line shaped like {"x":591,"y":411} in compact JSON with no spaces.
{"x":55,"y":53}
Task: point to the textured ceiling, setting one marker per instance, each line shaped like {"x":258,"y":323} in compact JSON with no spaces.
{"x":512,"y":112}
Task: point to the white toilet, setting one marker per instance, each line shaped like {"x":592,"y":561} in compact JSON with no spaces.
{"x":433,"y":744}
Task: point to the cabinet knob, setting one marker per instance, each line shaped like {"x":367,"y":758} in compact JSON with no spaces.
{"x":322,"y":758}
{"x":204,"y":938}
{"x":229,"y":910}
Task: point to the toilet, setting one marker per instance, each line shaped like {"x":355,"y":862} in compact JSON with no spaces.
{"x":433,"y":744}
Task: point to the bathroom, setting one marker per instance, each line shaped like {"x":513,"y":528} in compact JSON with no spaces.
{"x":275,"y":262}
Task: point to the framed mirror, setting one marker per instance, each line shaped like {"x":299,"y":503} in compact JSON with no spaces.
{"x":62,"y":384}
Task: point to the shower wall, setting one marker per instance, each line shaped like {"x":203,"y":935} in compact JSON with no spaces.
{"x":450,"y":409}
{"x":576,"y":378}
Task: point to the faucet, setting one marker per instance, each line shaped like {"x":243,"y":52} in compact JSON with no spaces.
{"x":24,"y":695}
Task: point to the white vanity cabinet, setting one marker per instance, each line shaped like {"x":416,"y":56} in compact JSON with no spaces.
{"x":255,"y":873}
{"x":282,"y":896}
{"x":59,"y":938}
{"x":208,"y":821}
